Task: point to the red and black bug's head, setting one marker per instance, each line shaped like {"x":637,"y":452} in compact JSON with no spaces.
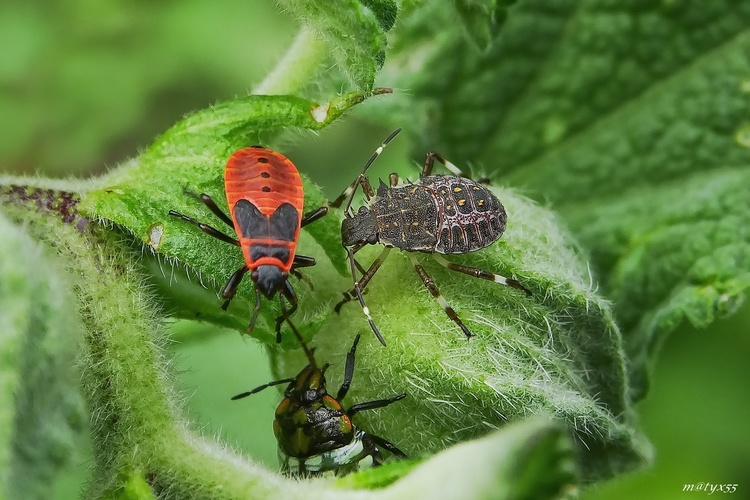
{"x":361,"y":227}
{"x":269,"y":279}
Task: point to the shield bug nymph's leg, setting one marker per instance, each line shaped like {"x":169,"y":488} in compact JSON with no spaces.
{"x":206,"y":228}
{"x":481,"y":273}
{"x":231,"y":287}
{"x":436,"y":293}
{"x":211,"y":204}
{"x":429,"y":162}
{"x":358,"y":293}
{"x":366,"y":277}
{"x":348,"y":370}
{"x":314,"y":215}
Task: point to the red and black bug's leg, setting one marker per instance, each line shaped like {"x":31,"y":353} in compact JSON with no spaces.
{"x":211,"y":204}
{"x":314,"y":215}
{"x":348,"y":371}
{"x":206,"y":228}
{"x":261,"y":387}
{"x":302,"y":261}
{"x":358,"y":293}
{"x":231,"y":287}
{"x":371,"y":405}
{"x":430,"y":285}
{"x":481,"y":273}
{"x":387,"y":445}
{"x":366,"y":277}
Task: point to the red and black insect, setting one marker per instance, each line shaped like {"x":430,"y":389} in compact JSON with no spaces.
{"x":315,"y":433}
{"x":437,"y":214}
{"x":265,"y":197}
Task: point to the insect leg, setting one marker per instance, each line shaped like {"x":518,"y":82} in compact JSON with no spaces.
{"x":481,"y":273}
{"x":387,"y":445}
{"x":206,"y":228}
{"x":255,"y":312}
{"x":348,"y":370}
{"x":436,"y":293}
{"x":231,"y":287}
{"x":314,"y":215}
{"x":288,"y":292}
{"x":366,"y":277}
{"x":371,"y":405}
{"x":261,"y":387}
{"x":429,"y":162}
{"x":302,"y":261}
{"x":358,"y":292}
{"x":216,"y":210}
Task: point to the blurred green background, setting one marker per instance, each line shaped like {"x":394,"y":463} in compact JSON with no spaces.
{"x":85,"y":85}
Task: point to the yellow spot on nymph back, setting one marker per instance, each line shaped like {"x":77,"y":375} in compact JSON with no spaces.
{"x":415,"y":224}
{"x":395,"y":224}
{"x":475,"y":188}
{"x":461,"y":203}
{"x":480,"y":203}
{"x":456,"y":189}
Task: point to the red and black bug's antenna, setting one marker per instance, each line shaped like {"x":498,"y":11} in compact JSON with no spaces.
{"x":309,"y":352}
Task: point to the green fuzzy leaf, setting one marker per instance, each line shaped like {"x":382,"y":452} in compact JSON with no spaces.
{"x":354,"y":30}
{"x":189,"y":159}
{"x":556,"y":352}
{"x":679,"y":251}
{"x":602,"y":109}
{"x":531,"y":459}
{"x":41,"y":412}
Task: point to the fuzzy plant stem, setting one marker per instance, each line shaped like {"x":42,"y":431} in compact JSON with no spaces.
{"x":142,"y":446}
{"x":294,"y":70}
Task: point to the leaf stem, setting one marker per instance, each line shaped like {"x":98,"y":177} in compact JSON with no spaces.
{"x":295,"y":69}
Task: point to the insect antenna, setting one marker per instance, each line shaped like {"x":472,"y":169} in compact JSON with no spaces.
{"x":353,"y":188}
{"x":308,"y":351}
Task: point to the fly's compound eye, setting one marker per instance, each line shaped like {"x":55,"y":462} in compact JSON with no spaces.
{"x":362,"y":209}
{"x":254,"y":275}
{"x":372,"y":239}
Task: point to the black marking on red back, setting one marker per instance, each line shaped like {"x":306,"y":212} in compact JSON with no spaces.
{"x":281,"y":225}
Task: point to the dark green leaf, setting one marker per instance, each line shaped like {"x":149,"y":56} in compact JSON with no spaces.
{"x":598,"y":107}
